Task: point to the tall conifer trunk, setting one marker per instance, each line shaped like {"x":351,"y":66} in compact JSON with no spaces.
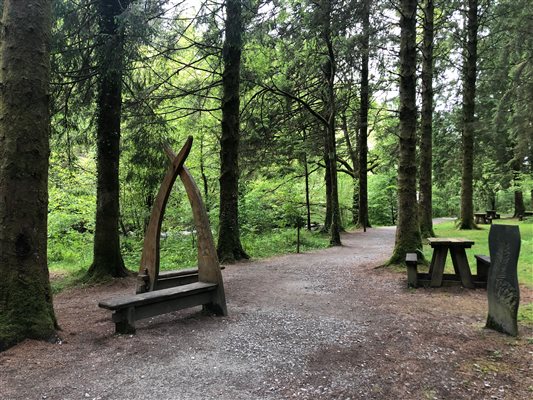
{"x":363,"y":119}
{"x":425,"y":205}
{"x":327,"y":181}
{"x":329,"y":70}
{"x":229,"y":242}
{"x":469,"y":98}
{"x":107,"y":259}
{"x":408,"y":237}
{"x":355,"y":167}
{"x":26,"y":309}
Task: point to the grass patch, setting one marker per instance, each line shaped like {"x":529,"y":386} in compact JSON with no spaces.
{"x":282,"y":241}
{"x":525,"y":313}
{"x":70,"y":255}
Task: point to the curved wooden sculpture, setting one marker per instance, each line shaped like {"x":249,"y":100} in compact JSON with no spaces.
{"x":152,"y":237}
{"x":159,"y":293}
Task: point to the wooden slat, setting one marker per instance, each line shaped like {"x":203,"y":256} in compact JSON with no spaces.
{"x":156,"y":296}
{"x":450,"y":242}
{"x":411,"y":257}
{"x":181,"y":303}
{"x":482,"y":258}
{"x":180,"y":272}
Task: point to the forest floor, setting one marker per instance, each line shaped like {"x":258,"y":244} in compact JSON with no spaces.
{"x":321,"y":325}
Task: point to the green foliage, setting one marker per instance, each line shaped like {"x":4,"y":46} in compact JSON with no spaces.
{"x":525,"y":313}
{"x":382,"y":208}
{"x":71,"y":196}
{"x":281,"y":241}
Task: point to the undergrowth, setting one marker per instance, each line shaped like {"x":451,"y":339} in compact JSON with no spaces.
{"x":70,"y":256}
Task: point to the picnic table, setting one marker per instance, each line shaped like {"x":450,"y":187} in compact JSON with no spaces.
{"x":492,"y":214}
{"x":457,"y":248}
{"x":481,"y":218}
{"x":486,"y":217}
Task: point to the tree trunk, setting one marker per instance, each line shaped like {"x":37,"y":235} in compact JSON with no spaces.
{"x":26,"y":309}
{"x":408,"y":237}
{"x":363,"y":119}
{"x":327,"y":181}
{"x":307,"y":194}
{"x":425,"y":205}
{"x":331,"y":148}
{"x":353,"y":158}
{"x":229,"y":242}
{"x":469,"y":97}
{"x":107,"y":259}
{"x":519,"y":206}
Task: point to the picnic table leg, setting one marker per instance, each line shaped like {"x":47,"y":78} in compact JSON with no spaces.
{"x":432,"y":263}
{"x":460,"y":265}
{"x":437,"y":265}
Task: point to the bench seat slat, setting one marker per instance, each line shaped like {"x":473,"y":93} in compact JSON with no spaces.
{"x":483,"y":259}
{"x":157,"y":296}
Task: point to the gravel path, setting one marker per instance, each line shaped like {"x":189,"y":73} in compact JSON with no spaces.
{"x":320,"y":325}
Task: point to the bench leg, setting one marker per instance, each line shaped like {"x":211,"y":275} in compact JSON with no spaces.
{"x":412,"y":275}
{"x":217,"y":306}
{"x":482,"y":271}
{"x":124,"y":320}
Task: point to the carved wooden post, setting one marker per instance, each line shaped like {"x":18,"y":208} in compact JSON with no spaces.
{"x":149,"y":268}
{"x":502,"y":285}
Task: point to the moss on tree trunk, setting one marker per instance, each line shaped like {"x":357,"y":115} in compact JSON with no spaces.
{"x":26,"y":309}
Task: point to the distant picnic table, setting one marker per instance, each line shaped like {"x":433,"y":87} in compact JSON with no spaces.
{"x":486,"y":217}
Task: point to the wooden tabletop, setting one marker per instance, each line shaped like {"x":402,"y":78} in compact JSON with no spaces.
{"x":450,"y":242}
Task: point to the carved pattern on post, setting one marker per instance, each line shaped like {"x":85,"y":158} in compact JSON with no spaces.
{"x":502,"y":285}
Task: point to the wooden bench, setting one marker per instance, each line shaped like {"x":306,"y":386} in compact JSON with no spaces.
{"x":164,"y":292}
{"x":482,"y":266}
{"x":411,"y":260}
{"x":128,"y":309}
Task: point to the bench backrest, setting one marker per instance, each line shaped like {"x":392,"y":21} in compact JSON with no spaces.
{"x":208,"y":264}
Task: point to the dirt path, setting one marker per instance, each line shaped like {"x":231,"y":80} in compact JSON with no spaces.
{"x":320,"y":325}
